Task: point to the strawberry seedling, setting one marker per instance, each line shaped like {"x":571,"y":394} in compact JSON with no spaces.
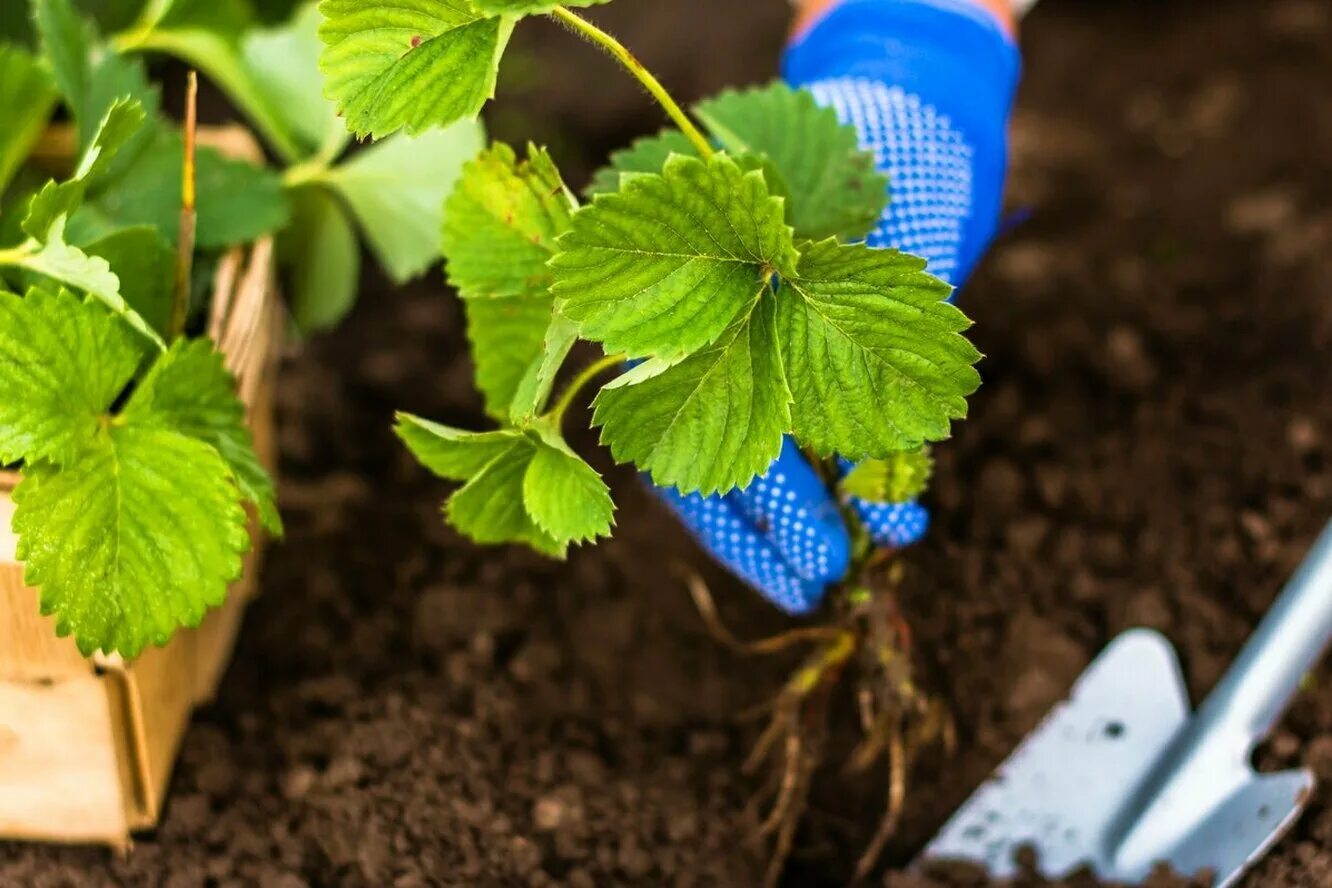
{"x":719,"y":268}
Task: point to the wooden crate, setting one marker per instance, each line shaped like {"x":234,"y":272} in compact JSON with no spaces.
{"x":87,"y":745}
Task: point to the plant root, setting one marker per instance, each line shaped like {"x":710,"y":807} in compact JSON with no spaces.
{"x":869,"y":639}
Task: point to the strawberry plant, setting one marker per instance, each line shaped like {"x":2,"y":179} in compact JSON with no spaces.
{"x":717,"y":266}
{"x":135,"y":462}
{"x":720,"y":268}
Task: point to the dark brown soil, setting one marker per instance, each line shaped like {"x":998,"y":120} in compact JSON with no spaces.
{"x":1153,"y":447}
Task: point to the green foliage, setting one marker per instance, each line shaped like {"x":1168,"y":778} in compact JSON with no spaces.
{"x":712,"y":422}
{"x":130,"y":522}
{"x":664,"y":266}
{"x":27,"y":97}
{"x":396,"y":191}
{"x":410,"y":66}
{"x":529,"y":7}
{"x":521,"y":485}
{"x":896,"y":479}
{"x":322,"y":259}
{"x":873,"y":351}
{"x":501,"y":224}
{"x":645,"y":155}
{"x":46,"y":251}
{"x":832,"y":186}
{"x":719,"y":265}
{"x":835,"y":189}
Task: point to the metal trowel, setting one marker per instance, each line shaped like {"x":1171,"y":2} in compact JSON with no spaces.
{"x":1121,"y":777}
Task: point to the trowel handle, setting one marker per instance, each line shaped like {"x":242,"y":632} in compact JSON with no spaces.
{"x":1286,"y":645}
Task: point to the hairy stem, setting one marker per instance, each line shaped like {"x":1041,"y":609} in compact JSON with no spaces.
{"x":617,"y":50}
{"x":580,"y":382}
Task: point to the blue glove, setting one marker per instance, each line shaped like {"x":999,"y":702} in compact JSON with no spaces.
{"x":928,"y":85}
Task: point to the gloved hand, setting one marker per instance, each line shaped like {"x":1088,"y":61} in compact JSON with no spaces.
{"x":928,"y":84}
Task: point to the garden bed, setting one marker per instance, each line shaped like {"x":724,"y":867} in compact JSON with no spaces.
{"x":1153,"y":447}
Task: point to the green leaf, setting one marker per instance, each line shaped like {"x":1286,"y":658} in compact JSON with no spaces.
{"x":237,"y":201}
{"x":665,"y":266}
{"x":396,"y":189}
{"x":536,"y":384}
{"x":27,"y":97}
{"x":90,"y":76}
{"x":529,"y":7}
{"x":138,"y":536}
{"x":895,"y":479}
{"x":282,"y":63}
{"x":453,"y":453}
{"x":190,"y":391}
{"x":145,"y":265}
{"x":62,"y":366}
{"x":67,"y":41}
{"x":710,"y":423}
{"x":501,"y":223}
{"x":212,"y":35}
{"x":564,"y":496}
{"x":873,"y":351}
{"x":522,"y":486}
{"x":132,"y":523}
{"x":417,"y":65}
{"x":507,"y":336}
{"x":836,"y":190}
{"x":322,"y":259}
{"x":646,"y":155}
{"x":69,"y":265}
{"x":57,"y":201}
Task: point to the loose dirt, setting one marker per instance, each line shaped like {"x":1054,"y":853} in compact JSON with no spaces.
{"x":1153,"y":447}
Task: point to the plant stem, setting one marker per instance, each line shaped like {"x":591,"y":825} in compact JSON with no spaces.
{"x":621,"y":54}
{"x":589,"y":373}
{"x":180,"y":303}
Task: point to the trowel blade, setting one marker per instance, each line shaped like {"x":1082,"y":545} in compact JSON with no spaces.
{"x":1059,"y":791}
{"x":1062,"y":791}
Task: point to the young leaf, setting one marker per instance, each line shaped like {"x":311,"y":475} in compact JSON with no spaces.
{"x":836,"y":190}
{"x":189,"y":391}
{"x":646,"y":155}
{"x":66,"y":41}
{"x":139,"y":536}
{"x":415,"y":65}
{"x":507,"y":336}
{"x":529,"y":7}
{"x":62,"y":365}
{"x":895,"y":479}
{"x":237,"y":201}
{"x":145,"y":265}
{"x":873,"y":352}
{"x":710,"y":423}
{"x":501,"y":223}
{"x":536,"y":384}
{"x":564,"y":496}
{"x":513,"y":481}
{"x":27,"y":97}
{"x":56,"y":201}
{"x":452,"y":453}
{"x":90,"y":76}
{"x":57,"y":260}
{"x":663,"y":268}
{"x":282,"y":64}
{"x":321,"y":257}
{"x":396,"y":189}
